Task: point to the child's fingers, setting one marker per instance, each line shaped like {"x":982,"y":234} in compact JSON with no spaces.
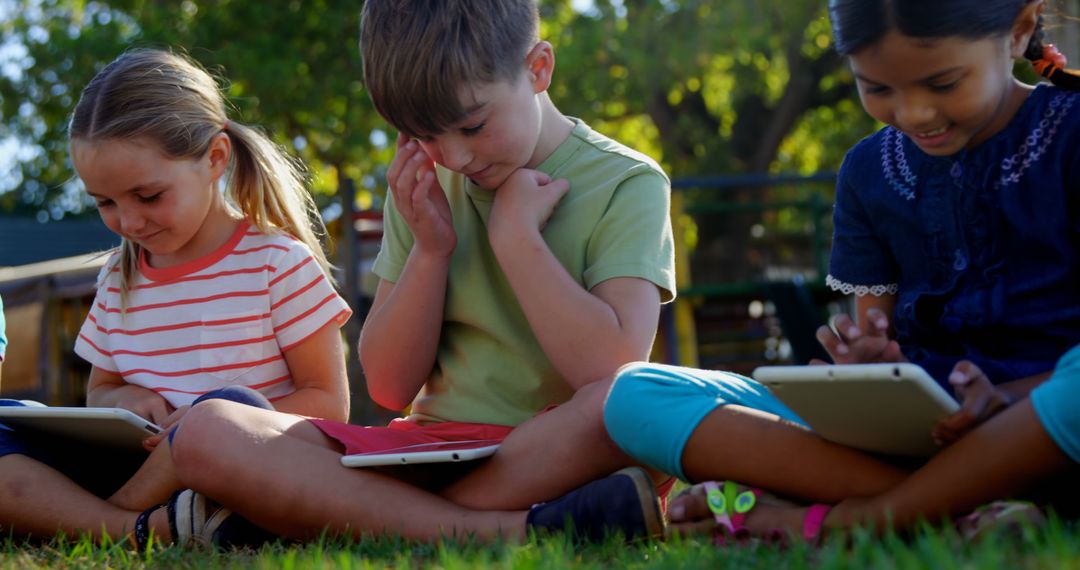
{"x":421,"y":199}
{"x":831,"y":341}
{"x":892,"y":352}
{"x":845,"y":328}
{"x":152,"y":442}
{"x":406,"y":181}
{"x":401,"y":156}
{"x":689,"y":508}
{"x":560,"y":186}
{"x":174,"y":417}
{"x":965,"y":376}
{"x":877,"y":322}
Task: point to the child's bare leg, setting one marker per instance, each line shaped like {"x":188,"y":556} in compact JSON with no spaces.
{"x":36,"y":499}
{"x":545,"y":457}
{"x":152,"y":483}
{"x":283,"y":474}
{"x":1005,"y":456}
{"x":1001,"y":458}
{"x":758,"y":449}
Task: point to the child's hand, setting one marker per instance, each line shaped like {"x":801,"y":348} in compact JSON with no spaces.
{"x":420,"y":199}
{"x":166,"y":426}
{"x":979,"y":400}
{"x":846,"y":343}
{"x":526,"y":200}
{"x":145,"y":403}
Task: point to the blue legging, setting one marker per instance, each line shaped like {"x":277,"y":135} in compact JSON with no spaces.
{"x":653,"y":409}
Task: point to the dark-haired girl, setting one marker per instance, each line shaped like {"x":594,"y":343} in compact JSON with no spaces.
{"x":958,"y":230}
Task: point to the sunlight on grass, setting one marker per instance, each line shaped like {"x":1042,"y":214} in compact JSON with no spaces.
{"x":1056,"y":546}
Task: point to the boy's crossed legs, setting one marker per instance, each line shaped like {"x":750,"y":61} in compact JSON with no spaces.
{"x":284,"y":474}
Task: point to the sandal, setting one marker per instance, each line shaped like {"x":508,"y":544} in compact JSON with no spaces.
{"x":730,"y":504}
{"x":142,"y":528}
{"x":1008,"y":517}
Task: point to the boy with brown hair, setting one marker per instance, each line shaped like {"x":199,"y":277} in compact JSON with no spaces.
{"x":524,"y":260}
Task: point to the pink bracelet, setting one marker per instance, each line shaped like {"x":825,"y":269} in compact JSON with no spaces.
{"x":815,"y":517}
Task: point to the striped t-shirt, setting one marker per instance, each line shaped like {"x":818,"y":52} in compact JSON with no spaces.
{"x":222,"y":320}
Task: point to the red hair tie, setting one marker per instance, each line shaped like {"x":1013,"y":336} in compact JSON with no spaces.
{"x":225,"y":126}
{"x":1052,"y":60}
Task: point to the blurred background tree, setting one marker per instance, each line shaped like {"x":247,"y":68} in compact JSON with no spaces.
{"x":705,"y":87}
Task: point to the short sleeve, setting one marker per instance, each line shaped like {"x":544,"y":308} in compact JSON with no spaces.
{"x":3,"y":335}
{"x":397,"y":241}
{"x":860,"y":263}
{"x":93,"y":342}
{"x":633,"y":237}
{"x":302,"y":298}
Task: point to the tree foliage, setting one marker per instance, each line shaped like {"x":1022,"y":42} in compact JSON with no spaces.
{"x":703,"y":86}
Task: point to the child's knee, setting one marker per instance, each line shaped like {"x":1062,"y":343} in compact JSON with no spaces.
{"x":631,"y":392}
{"x":196,"y":437}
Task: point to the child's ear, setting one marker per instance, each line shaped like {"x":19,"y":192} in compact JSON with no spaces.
{"x":218,"y":154}
{"x":1026,"y":24}
{"x":540,"y":64}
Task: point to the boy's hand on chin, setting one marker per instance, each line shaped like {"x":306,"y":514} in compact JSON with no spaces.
{"x":525,"y":202}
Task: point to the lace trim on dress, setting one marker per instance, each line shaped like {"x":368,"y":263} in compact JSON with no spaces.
{"x":1035,"y":145}
{"x":897,"y":171}
{"x":861,"y":290}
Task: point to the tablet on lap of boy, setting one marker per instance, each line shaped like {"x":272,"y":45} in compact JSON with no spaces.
{"x":882,"y":408}
{"x":106,"y":427}
{"x":434,"y":452}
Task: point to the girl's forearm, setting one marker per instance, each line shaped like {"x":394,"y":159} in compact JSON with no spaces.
{"x":316,"y":403}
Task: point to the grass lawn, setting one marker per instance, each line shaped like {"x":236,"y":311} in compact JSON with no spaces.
{"x":1055,"y":547}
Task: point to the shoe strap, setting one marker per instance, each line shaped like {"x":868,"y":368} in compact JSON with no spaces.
{"x":142,"y":528}
{"x":812,"y":523}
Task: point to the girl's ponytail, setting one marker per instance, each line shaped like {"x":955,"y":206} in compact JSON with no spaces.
{"x":1049,"y":62}
{"x":267,"y":185}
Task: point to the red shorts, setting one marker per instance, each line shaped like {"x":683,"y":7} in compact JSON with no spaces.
{"x":402,"y":432}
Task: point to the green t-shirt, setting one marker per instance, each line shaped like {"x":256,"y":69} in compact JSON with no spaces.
{"x":614,"y":222}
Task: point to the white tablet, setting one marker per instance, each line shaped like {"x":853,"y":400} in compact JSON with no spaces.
{"x":883,"y":408}
{"x":109,"y":427}
{"x":439,"y":452}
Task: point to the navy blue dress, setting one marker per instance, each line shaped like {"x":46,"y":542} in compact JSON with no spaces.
{"x":982,"y":248}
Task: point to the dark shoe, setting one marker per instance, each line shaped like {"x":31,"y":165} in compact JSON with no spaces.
{"x":624,"y":502}
{"x":196,"y":521}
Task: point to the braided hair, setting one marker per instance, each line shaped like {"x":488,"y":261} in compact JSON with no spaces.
{"x":861,"y":23}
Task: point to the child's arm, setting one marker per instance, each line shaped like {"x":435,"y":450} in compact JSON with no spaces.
{"x":317,"y":367}
{"x":869,"y":340}
{"x":980,"y":399}
{"x":1009,"y":453}
{"x":108,"y":390}
{"x":401,"y":334}
{"x":587,"y":334}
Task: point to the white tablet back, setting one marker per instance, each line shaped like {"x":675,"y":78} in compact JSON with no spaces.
{"x":439,"y":452}
{"x":110,"y":427}
{"x":883,"y":408}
